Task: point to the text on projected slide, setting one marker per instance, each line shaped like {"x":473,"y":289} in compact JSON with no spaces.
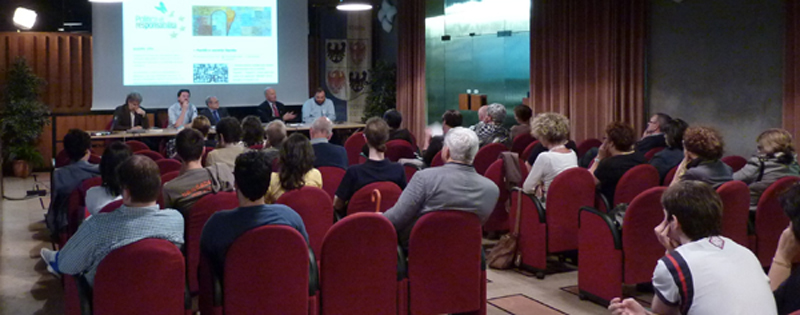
{"x":184,"y":42}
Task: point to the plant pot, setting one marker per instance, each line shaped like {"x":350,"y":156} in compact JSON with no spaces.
{"x":22,"y":169}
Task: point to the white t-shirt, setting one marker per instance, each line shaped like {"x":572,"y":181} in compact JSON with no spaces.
{"x":97,"y":197}
{"x":547,"y":166}
{"x":714,"y":275}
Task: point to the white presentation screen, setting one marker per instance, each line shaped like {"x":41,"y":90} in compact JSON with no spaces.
{"x":231,"y":49}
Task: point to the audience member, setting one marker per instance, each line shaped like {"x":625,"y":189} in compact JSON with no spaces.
{"x":784,"y":281}
{"x":276,"y":135}
{"x":327,"y":154}
{"x":138,"y":218}
{"x":99,"y":196}
{"x":271,"y":109}
{"x":253,"y":133}
{"x":212,"y":111}
{"x":77,"y":144}
{"x":222,"y":229}
{"x":482,"y":116}
{"x":615,"y":157}
{"x":702,"y":150}
{"x":318,"y":106}
{"x":702,"y":272}
{"x":376,"y":169}
{"x":552,"y":130}
{"x":492,"y":130}
{"x":202,"y":124}
{"x":522,"y":114}
{"x":130,"y":115}
{"x":194,"y":181}
{"x":297,"y":168}
{"x":393,"y":118}
{"x":450,"y":119}
{"x":182,"y":112}
{"x":539,"y":148}
{"x":775,"y":159}
{"x":229,"y":134}
{"x":653,"y":137}
{"x":454,"y":186}
{"x":672,"y":155}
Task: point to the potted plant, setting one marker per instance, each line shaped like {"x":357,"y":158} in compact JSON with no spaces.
{"x":383,"y":90}
{"x":23,"y":118}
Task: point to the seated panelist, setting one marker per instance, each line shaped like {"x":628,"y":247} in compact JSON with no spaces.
{"x":212,"y":111}
{"x":130,"y":115}
{"x":271,"y":109}
{"x":318,"y":106}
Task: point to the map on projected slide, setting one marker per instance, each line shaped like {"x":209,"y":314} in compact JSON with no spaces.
{"x":232,"y":21}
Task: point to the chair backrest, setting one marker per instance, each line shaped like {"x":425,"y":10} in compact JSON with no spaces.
{"x":155,"y":156}
{"x":169,"y":176}
{"x":650,"y":154}
{"x":521,"y":142}
{"x":437,"y":160}
{"x":399,"y":149}
{"x":444,"y":263}
{"x":570,"y":190}
{"x":410,"y":171}
{"x":331,"y":177}
{"x":315,"y":208}
{"x":735,"y":162}
{"x":168,"y":165}
{"x":527,"y":152}
{"x":487,"y":155}
{"x":137,"y":146}
{"x":587,"y":145}
{"x":145,"y":277}
{"x":358,"y":273}
{"x":205,"y":155}
{"x":361,"y":201}
{"x":670,"y":176}
{"x":94,"y":159}
{"x":498,"y":220}
{"x":353,"y":147}
{"x":111,"y":206}
{"x":770,"y":219}
{"x":736,"y":209}
{"x":636,"y":180}
{"x":279,"y":284}
{"x":193,"y":228}
{"x":62,"y":159}
{"x":257,"y":146}
{"x":640,"y":245}
{"x":77,"y":203}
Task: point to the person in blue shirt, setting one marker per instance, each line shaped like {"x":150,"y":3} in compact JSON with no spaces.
{"x":182,"y":112}
{"x":317,"y":107}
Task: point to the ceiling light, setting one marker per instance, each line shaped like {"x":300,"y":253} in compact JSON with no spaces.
{"x":24,"y":18}
{"x":106,"y":1}
{"x":353,"y":5}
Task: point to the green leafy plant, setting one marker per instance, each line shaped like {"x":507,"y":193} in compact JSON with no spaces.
{"x":383,"y":90}
{"x":23,"y":116}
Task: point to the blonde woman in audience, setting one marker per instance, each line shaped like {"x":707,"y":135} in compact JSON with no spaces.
{"x":775,"y":159}
{"x":702,"y":150}
{"x":552,"y":130}
{"x":297,"y":168}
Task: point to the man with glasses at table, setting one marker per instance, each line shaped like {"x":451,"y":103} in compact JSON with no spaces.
{"x":212,"y":111}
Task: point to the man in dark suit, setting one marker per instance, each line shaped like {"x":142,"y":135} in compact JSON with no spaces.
{"x":212,"y":111}
{"x":271,"y":109}
{"x":327,"y":154}
{"x":130,"y":115}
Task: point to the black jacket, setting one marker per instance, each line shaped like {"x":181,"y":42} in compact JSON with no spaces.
{"x":122,"y":119}
{"x":207,"y":112}
{"x":265,"y":111}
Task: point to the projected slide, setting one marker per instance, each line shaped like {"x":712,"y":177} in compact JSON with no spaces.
{"x":182,"y":42}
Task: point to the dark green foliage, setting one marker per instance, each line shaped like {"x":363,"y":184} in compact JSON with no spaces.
{"x":383,"y":90}
{"x":23,"y":116}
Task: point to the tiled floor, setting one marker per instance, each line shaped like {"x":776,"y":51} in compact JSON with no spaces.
{"x":27,"y":288}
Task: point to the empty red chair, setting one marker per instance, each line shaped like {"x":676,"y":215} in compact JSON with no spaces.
{"x":770,"y":220}
{"x":487,"y":155}
{"x":362,"y":200}
{"x":521,"y":142}
{"x":498,"y":220}
{"x":736,"y":209}
{"x":554,"y":230}
{"x":587,"y":145}
{"x":137,"y":146}
{"x":358,"y":274}
{"x":527,"y":152}
{"x":353,"y":147}
{"x":437,"y":160}
{"x":445,"y":271}
{"x":650,"y":154}
{"x":410,"y":171}
{"x":114,"y":205}
{"x":155,"y":156}
{"x":609,"y":258}
{"x":331,"y":177}
{"x":399,"y":149}
{"x":193,"y":229}
{"x":735,"y":162}
{"x":145,"y":277}
{"x":670,"y":176}
{"x":636,"y":180}
{"x":315,"y":208}
{"x":168,"y":165}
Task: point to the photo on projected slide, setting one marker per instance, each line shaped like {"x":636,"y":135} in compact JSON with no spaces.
{"x":210,"y":73}
{"x":231,"y":21}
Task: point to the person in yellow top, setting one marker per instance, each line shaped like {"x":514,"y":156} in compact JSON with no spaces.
{"x":297,"y":168}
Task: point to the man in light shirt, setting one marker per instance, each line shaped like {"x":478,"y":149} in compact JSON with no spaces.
{"x":317,"y":107}
{"x":182,"y":112}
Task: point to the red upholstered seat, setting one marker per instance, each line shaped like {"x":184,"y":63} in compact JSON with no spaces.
{"x":554,"y":230}
{"x":164,"y":179}
{"x":146,"y":277}
{"x":205,"y":154}
{"x":137,"y":146}
{"x":257,"y":146}
{"x":528,"y":151}
{"x":331,"y":177}
{"x":636,"y":180}
{"x":399,"y":149}
{"x":315,"y":208}
{"x":521,"y":142}
{"x":650,"y":154}
{"x":770,"y":220}
{"x":111,"y":206}
{"x":410,"y":171}
{"x":155,"y":156}
{"x":62,"y":159}
{"x":735,"y":162}
{"x":353,"y":147}
{"x":487,"y":155}
{"x":437,"y":160}
{"x":193,"y":229}
{"x":362,"y":199}
{"x":94,"y":159}
{"x":498,"y":220}
{"x":168,"y":165}
{"x":670,"y":176}
{"x":587,"y":145}
{"x":76,"y":210}
{"x":736,"y":208}
{"x":358,"y":275}
{"x":445,"y":272}
{"x":608,"y":257}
